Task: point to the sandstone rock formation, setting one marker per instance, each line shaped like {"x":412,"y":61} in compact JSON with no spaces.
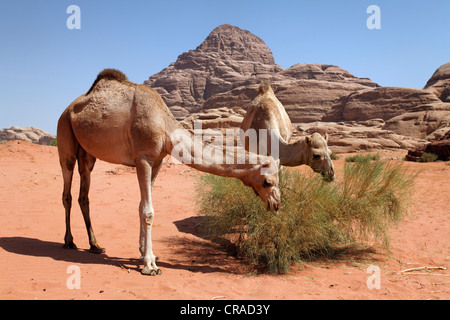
{"x":351,"y":136}
{"x":439,"y":83}
{"x":441,"y":148}
{"x":221,"y":118}
{"x":427,"y":121}
{"x":226,"y":69}
{"x":307,"y":91}
{"x":214,"y":84}
{"x":383,"y":102}
{"x":416,"y":113}
{"x":227,"y":58}
{"x":30,"y":134}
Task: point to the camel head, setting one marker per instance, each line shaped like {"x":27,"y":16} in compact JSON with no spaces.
{"x":264,"y":181}
{"x":318,"y":156}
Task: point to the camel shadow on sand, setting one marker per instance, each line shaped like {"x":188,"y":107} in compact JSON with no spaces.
{"x":194,"y":252}
{"x":41,"y":248}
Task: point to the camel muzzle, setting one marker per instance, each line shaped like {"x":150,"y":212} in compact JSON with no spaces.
{"x":328,"y":176}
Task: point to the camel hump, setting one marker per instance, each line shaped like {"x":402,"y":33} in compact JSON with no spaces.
{"x":110,"y":74}
{"x":264,"y":87}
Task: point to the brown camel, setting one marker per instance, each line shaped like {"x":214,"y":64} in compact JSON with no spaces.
{"x":267,"y":112}
{"x":125,"y":123}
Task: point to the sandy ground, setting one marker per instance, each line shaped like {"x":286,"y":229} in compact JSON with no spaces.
{"x":35,"y":266}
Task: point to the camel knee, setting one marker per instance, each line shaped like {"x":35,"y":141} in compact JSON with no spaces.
{"x":147,"y":218}
{"x":146,"y":213}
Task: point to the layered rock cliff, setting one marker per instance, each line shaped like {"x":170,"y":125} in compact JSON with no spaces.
{"x":226,"y":69}
{"x":224,"y":72}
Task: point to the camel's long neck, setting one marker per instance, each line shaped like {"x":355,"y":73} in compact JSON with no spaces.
{"x":212,"y":157}
{"x":293,"y":153}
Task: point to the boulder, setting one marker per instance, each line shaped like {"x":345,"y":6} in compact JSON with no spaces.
{"x":30,"y":134}
{"x":441,"y":148}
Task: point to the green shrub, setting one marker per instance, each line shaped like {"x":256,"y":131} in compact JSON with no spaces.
{"x":315,"y":216}
{"x":363,"y":158}
{"x":54,"y":143}
{"x":335,"y":156}
{"x":428,"y":157}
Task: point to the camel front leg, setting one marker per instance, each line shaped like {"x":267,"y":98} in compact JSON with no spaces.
{"x":146,"y":216}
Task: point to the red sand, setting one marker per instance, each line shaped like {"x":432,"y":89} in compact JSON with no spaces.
{"x":35,"y":266}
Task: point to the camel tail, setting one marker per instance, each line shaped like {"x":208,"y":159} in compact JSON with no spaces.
{"x":112,"y":74}
{"x":264,"y":87}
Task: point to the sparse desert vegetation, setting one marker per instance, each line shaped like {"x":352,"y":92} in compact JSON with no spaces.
{"x":314,"y":218}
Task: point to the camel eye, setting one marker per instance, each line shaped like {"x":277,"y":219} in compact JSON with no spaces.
{"x":316,"y":156}
{"x":266,"y":184}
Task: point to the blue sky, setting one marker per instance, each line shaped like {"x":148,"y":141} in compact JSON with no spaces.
{"x":44,"y":65}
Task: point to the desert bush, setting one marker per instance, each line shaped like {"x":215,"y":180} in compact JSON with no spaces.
{"x":54,"y":143}
{"x":428,"y":157}
{"x":363,"y":158}
{"x":335,"y":156}
{"x":315,"y":216}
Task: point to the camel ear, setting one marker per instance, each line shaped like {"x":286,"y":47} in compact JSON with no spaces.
{"x":265,"y":164}
{"x":278,"y":163}
{"x":308,"y":140}
{"x":326,"y":137}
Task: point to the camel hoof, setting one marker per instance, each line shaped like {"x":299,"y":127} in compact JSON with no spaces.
{"x":97,"y":249}
{"x":150,"y":272}
{"x":69,"y":245}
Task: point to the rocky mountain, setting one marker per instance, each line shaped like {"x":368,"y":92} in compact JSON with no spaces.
{"x":30,"y":134}
{"x":226,"y":69}
{"x":215,"y":83}
{"x":226,"y":59}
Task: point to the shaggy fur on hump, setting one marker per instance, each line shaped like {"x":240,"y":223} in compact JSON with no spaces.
{"x":111,"y":74}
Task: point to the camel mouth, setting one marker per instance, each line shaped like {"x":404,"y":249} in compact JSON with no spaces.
{"x":273,"y":206}
{"x":328,"y":177}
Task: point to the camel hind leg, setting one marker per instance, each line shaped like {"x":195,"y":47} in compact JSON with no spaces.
{"x":85,"y":166}
{"x":67,"y":150}
{"x":70,"y":151}
{"x":67,"y":169}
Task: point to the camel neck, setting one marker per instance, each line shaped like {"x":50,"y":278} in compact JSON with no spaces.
{"x":212,"y":154}
{"x":293,"y":153}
